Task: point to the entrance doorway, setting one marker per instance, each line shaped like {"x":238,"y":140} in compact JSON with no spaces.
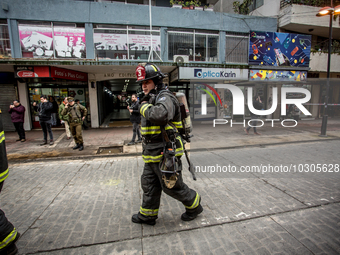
{"x":113,"y":99}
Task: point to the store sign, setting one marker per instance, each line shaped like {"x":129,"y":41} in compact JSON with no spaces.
{"x":196,"y":73}
{"x":113,"y":75}
{"x":271,"y":75}
{"x":46,"y":71}
{"x":68,"y":74}
{"x":32,"y":71}
{"x":279,"y":49}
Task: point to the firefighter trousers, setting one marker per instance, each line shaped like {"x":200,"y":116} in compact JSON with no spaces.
{"x":7,"y":231}
{"x":152,"y":185}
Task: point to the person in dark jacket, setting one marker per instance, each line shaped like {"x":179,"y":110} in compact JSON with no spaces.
{"x":135,"y":119}
{"x":17,"y":112}
{"x":8,"y":234}
{"x":45,"y":109}
{"x":258,"y":105}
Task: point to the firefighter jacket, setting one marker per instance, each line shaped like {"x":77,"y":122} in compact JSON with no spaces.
{"x":7,"y":231}
{"x":75,"y":113}
{"x":3,"y":155}
{"x":162,"y":111}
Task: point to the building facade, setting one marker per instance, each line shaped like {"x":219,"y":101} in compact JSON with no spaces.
{"x":89,"y":50}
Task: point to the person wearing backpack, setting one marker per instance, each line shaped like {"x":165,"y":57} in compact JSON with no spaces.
{"x":77,"y":114}
{"x":161,"y":119}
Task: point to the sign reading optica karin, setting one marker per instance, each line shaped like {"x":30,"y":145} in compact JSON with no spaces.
{"x":279,"y":49}
{"x":195,"y":73}
{"x":273,"y":75}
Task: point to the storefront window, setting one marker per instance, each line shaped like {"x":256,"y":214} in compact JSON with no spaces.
{"x":126,"y":43}
{"x":237,"y":48}
{"x":5,"y":45}
{"x":49,"y":40}
{"x":185,"y":46}
{"x":58,"y":90}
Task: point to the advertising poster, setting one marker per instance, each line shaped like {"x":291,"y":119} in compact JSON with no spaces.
{"x":104,"y":41}
{"x":279,"y":49}
{"x":273,"y":75}
{"x":36,"y":42}
{"x":142,"y":42}
{"x":69,"y":42}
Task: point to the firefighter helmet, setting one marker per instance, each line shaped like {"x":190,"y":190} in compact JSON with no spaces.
{"x":147,"y":71}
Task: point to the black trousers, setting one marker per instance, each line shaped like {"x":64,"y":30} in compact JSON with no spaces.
{"x":136,"y":131}
{"x":19,"y":127}
{"x":153,"y":185}
{"x":46,"y":127}
{"x":5,"y":226}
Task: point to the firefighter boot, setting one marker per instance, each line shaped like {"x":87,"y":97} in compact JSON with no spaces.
{"x":192,"y":214}
{"x":136,"y":219}
{"x":10,"y":249}
{"x":76,"y":147}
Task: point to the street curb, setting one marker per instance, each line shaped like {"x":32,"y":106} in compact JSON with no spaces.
{"x":89,"y":157}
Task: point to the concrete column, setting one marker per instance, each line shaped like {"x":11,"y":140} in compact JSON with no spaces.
{"x":90,"y":53}
{"x":24,"y":100}
{"x":14,"y":38}
{"x":223,"y":43}
{"x":164,"y":44}
{"x":93,"y":104}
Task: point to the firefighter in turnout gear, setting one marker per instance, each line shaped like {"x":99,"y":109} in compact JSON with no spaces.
{"x":77,"y":114}
{"x":8,"y":233}
{"x":162,"y":149}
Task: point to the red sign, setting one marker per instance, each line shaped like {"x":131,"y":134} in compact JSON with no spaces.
{"x":68,"y":74}
{"x":44,"y":72}
{"x":32,"y":71}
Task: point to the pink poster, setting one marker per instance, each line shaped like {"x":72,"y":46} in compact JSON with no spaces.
{"x":36,"y":41}
{"x":142,"y":42}
{"x":104,"y":41}
{"x":69,"y":42}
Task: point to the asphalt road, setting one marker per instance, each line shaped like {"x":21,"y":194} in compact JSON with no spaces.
{"x":281,"y":199}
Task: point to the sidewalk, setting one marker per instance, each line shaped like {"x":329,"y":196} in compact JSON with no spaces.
{"x":113,"y":141}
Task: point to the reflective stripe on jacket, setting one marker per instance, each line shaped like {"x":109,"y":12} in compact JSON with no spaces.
{"x":165,"y":110}
{"x":3,"y":157}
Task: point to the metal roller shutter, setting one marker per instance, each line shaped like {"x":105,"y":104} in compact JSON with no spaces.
{"x":8,"y":94}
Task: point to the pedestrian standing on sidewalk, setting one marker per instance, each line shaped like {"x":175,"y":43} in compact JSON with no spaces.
{"x":8,"y":234}
{"x":135,"y":119}
{"x":258,"y":105}
{"x":17,"y":112}
{"x":45,"y":110}
{"x":75,"y":113}
{"x":64,"y":118}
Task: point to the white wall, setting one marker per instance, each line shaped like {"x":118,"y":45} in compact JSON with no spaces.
{"x":318,"y":62}
{"x":93,"y":105}
{"x":270,"y":8}
{"x":24,"y":100}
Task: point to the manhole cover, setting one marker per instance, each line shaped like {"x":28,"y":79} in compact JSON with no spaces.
{"x":110,"y":150}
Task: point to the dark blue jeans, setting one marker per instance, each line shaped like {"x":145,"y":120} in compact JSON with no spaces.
{"x":46,"y":127}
